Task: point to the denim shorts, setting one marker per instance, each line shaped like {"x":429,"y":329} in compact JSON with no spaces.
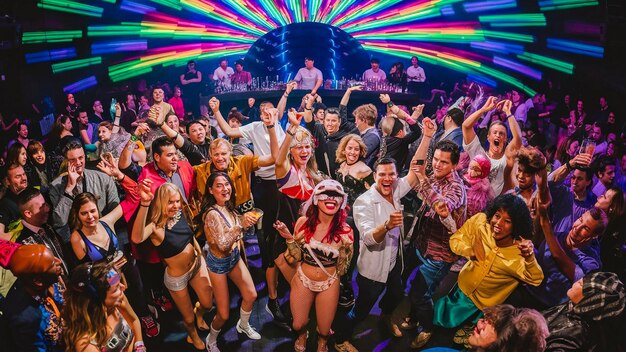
{"x":222,"y":265}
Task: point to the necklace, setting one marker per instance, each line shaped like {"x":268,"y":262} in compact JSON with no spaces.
{"x":173,"y":220}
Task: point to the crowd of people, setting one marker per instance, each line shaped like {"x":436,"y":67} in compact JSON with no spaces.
{"x":105,"y":219}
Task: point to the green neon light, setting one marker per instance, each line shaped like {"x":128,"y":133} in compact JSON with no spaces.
{"x":425,"y":37}
{"x":74,"y":64}
{"x":551,"y":5}
{"x":516,"y":20}
{"x":548,"y":62}
{"x":174,"y":4}
{"x":525,"y":38}
{"x":71,"y":7}
{"x":50,"y":36}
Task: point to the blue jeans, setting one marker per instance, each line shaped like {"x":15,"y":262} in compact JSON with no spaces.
{"x":424,"y":285}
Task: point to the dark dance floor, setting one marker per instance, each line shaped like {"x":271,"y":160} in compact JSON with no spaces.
{"x":369,"y":335}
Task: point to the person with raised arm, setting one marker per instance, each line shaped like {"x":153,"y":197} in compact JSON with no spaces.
{"x":497,"y":140}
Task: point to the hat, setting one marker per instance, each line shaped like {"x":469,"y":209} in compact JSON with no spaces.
{"x":31,"y":259}
{"x":326,"y":186}
{"x":603,"y":296}
{"x":485,"y":164}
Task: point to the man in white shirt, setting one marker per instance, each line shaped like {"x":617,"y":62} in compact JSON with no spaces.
{"x":223,"y":73}
{"x":374,"y":73}
{"x":378,"y":217}
{"x":415,"y":76}
{"x":309,"y":77}
{"x":496,"y":136}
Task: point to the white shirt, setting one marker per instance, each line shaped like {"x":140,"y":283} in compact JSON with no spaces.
{"x":256,"y":132}
{"x":223,"y":75}
{"x":375,"y":259}
{"x":376,"y":76}
{"x":496,"y":175}
{"x":307,"y":78}
{"x":415,"y":74}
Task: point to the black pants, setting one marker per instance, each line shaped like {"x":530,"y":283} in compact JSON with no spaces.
{"x":268,"y":198}
{"x":369,"y":292}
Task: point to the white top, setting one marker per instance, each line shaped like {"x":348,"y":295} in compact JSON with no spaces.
{"x":496,"y":175}
{"x":256,"y":132}
{"x":376,"y":76}
{"x":415,"y":74}
{"x":522,"y":111}
{"x":307,"y":78}
{"x":376,"y":260}
{"x":223,"y":75}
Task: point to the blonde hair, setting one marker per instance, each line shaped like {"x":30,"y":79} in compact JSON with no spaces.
{"x":220,"y":141}
{"x":157,"y":213}
{"x":366,"y":112}
{"x":301,"y":136}
{"x":340,"y":155}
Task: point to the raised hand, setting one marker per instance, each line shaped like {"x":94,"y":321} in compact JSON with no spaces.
{"x":395,"y":219}
{"x":118,"y":109}
{"x":490,"y":104}
{"x":72,"y":176}
{"x":582,"y":159}
{"x":108,"y":165}
{"x":271,"y":116}
{"x":214,"y":104}
{"x":441,"y":209}
{"x":429,"y":127}
{"x":353,"y":88}
{"x":309,"y":99}
{"x":294,"y":117}
{"x":506,"y":106}
{"x":145,"y":191}
{"x":282,"y":229}
{"x":384,"y":98}
{"x":417,"y":111}
{"x":291,"y":86}
{"x":248,"y":220}
{"x":526,"y":248}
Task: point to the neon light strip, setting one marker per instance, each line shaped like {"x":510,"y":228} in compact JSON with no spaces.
{"x":118,"y":46}
{"x":272,"y":10}
{"x":516,"y":66}
{"x":504,"y":48}
{"x":259,"y":19}
{"x":50,"y":36}
{"x":50,"y":55}
{"x":482,"y":80}
{"x":132,"y":6}
{"x":221,"y":15}
{"x":516,"y":20}
{"x":71,"y":7}
{"x":174,"y":4}
{"x":572,"y":46}
{"x":489,"y":5}
{"x":447,"y":11}
{"x":548,"y":62}
{"x":526,"y":38}
{"x":72,"y":65}
{"x":171,"y":31}
{"x":81,"y":85}
{"x":338,"y":7}
{"x":550,"y":5}
{"x":367,"y":8}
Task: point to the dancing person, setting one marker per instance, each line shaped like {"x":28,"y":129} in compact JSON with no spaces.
{"x":496,"y":240}
{"x":323,"y":241}
{"x":169,"y":232}
{"x":223,"y":229}
{"x":97,"y":316}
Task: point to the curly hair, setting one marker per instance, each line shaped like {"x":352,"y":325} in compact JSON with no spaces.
{"x":532,"y":159}
{"x":526,"y":331}
{"x":518,"y":212}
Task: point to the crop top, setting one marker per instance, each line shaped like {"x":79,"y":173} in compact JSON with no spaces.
{"x":326,"y":253}
{"x":95,"y":252}
{"x":120,"y":338}
{"x":176,"y":239}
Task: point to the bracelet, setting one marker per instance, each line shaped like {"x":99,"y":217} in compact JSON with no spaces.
{"x":385,"y":225}
{"x":116,"y":124}
{"x":510,"y":116}
{"x":420,"y":162}
{"x":143,"y":205}
{"x":176,"y":136}
{"x":568,"y":166}
{"x":290,"y":133}
{"x":285,"y":95}
{"x":139,"y":347}
{"x":270,"y":126}
{"x":305,"y":108}
{"x":390,"y":104}
{"x":117,"y":117}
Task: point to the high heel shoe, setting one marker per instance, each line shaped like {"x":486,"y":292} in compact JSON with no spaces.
{"x":190,"y":341}
{"x":198,"y":311}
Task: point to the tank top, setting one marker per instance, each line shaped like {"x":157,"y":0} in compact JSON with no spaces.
{"x":120,"y":338}
{"x":176,"y":239}
{"x":296,"y":184}
{"x":95,"y":252}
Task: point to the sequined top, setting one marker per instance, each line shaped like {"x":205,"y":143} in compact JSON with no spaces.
{"x":353,"y":186}
{"x":223,"y":229}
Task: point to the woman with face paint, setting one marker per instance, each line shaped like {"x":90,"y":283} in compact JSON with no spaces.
{"x":323,"y":245}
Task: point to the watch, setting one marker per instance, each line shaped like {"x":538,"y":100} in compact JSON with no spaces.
{"x":390,"y":104}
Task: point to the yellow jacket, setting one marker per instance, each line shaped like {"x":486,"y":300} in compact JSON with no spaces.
{"x":489,"y":282}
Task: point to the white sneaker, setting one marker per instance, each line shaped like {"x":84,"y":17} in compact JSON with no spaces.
{"x":211,"y":347}
{"x":249,"y":330}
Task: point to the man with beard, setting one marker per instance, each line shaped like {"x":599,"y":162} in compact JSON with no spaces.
{"x":497,"y":139}
{"x":15,"y":182}
{"x":34,"y":302}
{"x":565,"y":257}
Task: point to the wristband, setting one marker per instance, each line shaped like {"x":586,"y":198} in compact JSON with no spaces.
{"x":290,"y":133}
{"x":568,"y":166}
{"x":510,"y":116}
{"x":134,"y":138}
{"x":420,"y":162}
{"x":145,"y":206}
{"x":270,"y":126}
{"x":390,"y":104}
{"x":117,"y":117}
{"x":286,"y":95}
{"x":305,"y":108}
{"x":176,"y":136}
